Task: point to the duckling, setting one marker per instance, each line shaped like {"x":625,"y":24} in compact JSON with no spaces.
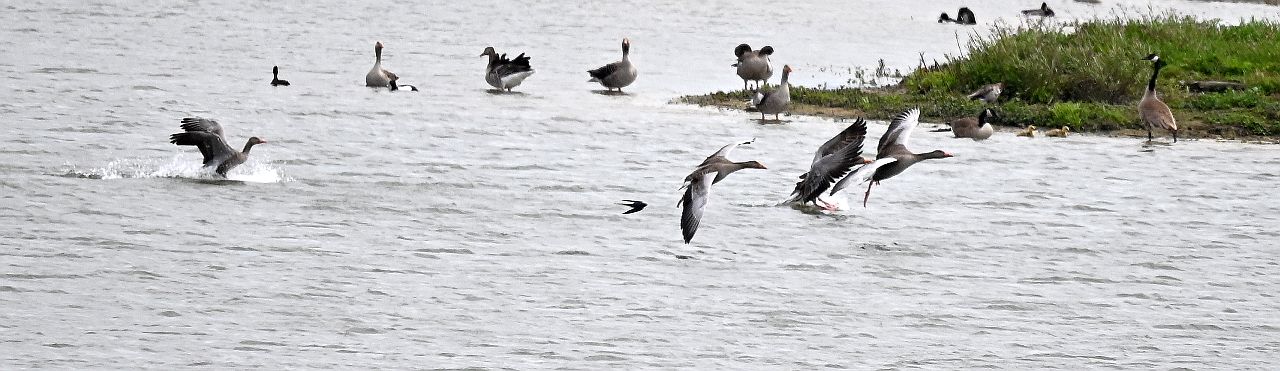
{"x":1060,"y":133}
{"x":1029,"y":132}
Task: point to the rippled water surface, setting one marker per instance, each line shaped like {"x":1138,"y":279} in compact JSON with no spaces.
{"x":455,"y":228}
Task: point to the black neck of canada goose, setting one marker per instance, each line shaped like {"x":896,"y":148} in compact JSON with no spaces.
{"x":1155,"y":71}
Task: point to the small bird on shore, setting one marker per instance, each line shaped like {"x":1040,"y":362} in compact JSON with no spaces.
{"x":988,"y":93}
{"x":1029,"y":132}
{"x":892,"y":157}
{"x":977,"y":129}
{"x":697,"y":186}
{"x":1058,"y":133}
{"x":275,"y":77}
{"x":964,"y":16}
{"x":753,"y":65}
{"x":636,"y":206}
{"x":1044,"y":11}
{"x":616,"y":75}
{"x":1153,"y":112}
{"x":207,"y":136}
{"x":503,"y":73}
{"x":776,"y":101}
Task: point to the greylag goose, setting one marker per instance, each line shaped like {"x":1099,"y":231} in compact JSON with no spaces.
{"x":832,"y":161}
{"x":753,"y":65}
{"x":275,"y":77}
{"x":616,"y":75}
{"x":636,"y":206}
{"x":503,"y":73}
{"x":776,"y":101}
{"x":378,"y":77}
{"x":1029,"y":131}
{"x":892,"y":157}
{"x":1059,"y":133}
{"x":988,"y":93}
{"x":977,"y":129}
{"x":1153,"y":111}
{"x":964,"y":16}
{"x":1044,"y":11}
{"x":698,"y":186}
{"x":207,"y":135}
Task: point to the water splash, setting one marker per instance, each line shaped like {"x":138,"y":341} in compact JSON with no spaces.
{"x":180,"y":166}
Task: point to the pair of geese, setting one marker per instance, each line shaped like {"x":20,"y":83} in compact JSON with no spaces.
{"x":505,"y":74}
{"x":965,"y":16}
{"x":754,"y":65}
{"x":828,"y":172}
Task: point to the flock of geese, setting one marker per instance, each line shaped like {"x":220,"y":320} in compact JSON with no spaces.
{"x":830,"y":171}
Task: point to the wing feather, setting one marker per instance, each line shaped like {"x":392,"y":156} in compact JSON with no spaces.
{"x":862,"y":175}
{"x":694,"y":200}
{"x":899,"y":131}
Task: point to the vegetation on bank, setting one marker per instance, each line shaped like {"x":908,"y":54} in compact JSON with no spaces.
{"x":1086,"y":75}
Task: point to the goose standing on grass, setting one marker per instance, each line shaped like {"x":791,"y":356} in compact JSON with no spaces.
{"x":378,"y":77}
{"x":207,"y":136}
{"x":977,"y":129}
{"x":753,"y":65}
{"x":964,"y":16}
{"x":697,"y":186}
{"x":503,"y":73}
{"x":1044,"y":11}
{"x":1029,"y":131}
{"x":832,"y":161}
{"x":616,"y":75}
{"x":275,"y":77}
{"x":892,"y":158}
{"x":988,"y":93}
{"x":1058,"y":133}
{"x":776,"y":101}
{"x":1153,"y":112}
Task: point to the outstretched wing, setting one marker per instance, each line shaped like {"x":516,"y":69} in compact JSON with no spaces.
{"x":862,"y":175}
{"x":200,"y":124}
{"x":825,"y":171}
{"x":724,"y":152}
{"x":212,"y":146}
{"x":899,"y":131}
{"x":855,"y":133}
{"x":694,"y":200}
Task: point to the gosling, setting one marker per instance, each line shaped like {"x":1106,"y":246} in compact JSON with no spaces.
{"x":1060,"y":133}
{"x":1029,"y":132}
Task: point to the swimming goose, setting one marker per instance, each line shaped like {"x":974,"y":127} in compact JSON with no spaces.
{"x":378,"y":77}
{"x":698,"y":186}
{"x":978,"y":129}
{"x":1153,"y":112}
{"x":275,"y":77}
{"x":1044,"y":11}
{"x":616,"y":75}
{"x":1058,"y":133}
{"x":987,"y":93}
{"x":892,"y":157}
{"x":832,"y":161}
{"x":776,"y":101}
{"x":207,"y":135}
{"x":964,"y":16}
{"x":753,"y":65}
{"x":1029,"y":132}
{"x":503,"y":73}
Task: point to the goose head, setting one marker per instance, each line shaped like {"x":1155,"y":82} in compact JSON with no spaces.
{"x":944,"y":18}
{"x":1029,"y":129}
{"x":987,"y":114}
{"x":786,"y":69}
{"x":377,"y":50}
{"x":1153,"y":57}
{"x":626,"y":46}
{"x":489,"y":51}
{"x":754,"y":165}
{"x":1066,"y":129}
{"x":256,"y":140}
{"x":937,"y":153}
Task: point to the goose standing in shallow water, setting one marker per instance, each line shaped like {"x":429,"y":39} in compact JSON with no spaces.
{"x":275,"y":77}
{"x":832,"y":161}
{"x":378,"y":77}
{"x":1044,"y":11}
{"x":977,"y":129}
{"x":988,"y":93}
{"x":207,"y":136}
{"x":503,"y":73}
{"x":698,"y":186}
{"x":776,"y":101}
{"x":892,"y":158}
{"x":964,"y":16}
{"x":753,"y":65}
{"x":616,"y":75}
{"x":1153,"y":112}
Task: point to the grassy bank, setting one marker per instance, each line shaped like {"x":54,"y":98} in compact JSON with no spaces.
{"x":1086,"y":75}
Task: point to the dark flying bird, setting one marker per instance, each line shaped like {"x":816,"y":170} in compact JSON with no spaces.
{"x":636,"y":206}
{"x":832,"y":161}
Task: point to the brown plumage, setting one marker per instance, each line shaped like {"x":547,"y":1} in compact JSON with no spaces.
{"x":207,"y":136}
{"x":975,"y":128}
{"x":1153,"y":112}
{"x":698,"y":186}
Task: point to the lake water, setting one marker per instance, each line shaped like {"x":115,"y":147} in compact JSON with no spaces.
{"x":455,"y":228}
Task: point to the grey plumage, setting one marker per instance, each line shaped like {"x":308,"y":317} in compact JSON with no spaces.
{"x":753,"y":65}
{"x":698,"y":184}
{"x":776,"y":101}
{"x":207,"y":136}
{"x":616,"y":75}
{"x":988,"y":93}
{"x":831,"y":161}
{"x":503,"y":73}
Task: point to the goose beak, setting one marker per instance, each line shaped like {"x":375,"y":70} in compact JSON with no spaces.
{"x":947,"y":154}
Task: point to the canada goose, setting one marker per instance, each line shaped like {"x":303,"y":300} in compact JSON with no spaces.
{"x":1059,"y":133}
{"x":832,"y":160}
{"x":1029,"y":132}
{"x":378,"y":77}
{"x":776,"y":101}
{"x":987,"y":93}
{"x":616,"y":75}
{"x":1153,"y":112}
{"x":698,"y":186}
{"x":964,"y":16}
{"x":892,"y":157}
{"x":1044,"y":11}
{"x":275,"y":77}
{"x":977,"y":129}
{"x":753,"y":65}
{"x":503,"y":73}
{"x":207,"y":136}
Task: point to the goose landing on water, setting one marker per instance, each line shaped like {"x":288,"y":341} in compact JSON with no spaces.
{"x":207,"y":136}
{"x":753,"y":65}
{"x":503,"y":73}
{"x":832,"y":161}
{"x":1153,"y":112}
{"x":892,"y":157}
{"x":698,"y":186}
{"x":616,"y":75}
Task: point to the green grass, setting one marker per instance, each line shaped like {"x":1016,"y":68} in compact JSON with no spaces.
{"x":1090,"y":76}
